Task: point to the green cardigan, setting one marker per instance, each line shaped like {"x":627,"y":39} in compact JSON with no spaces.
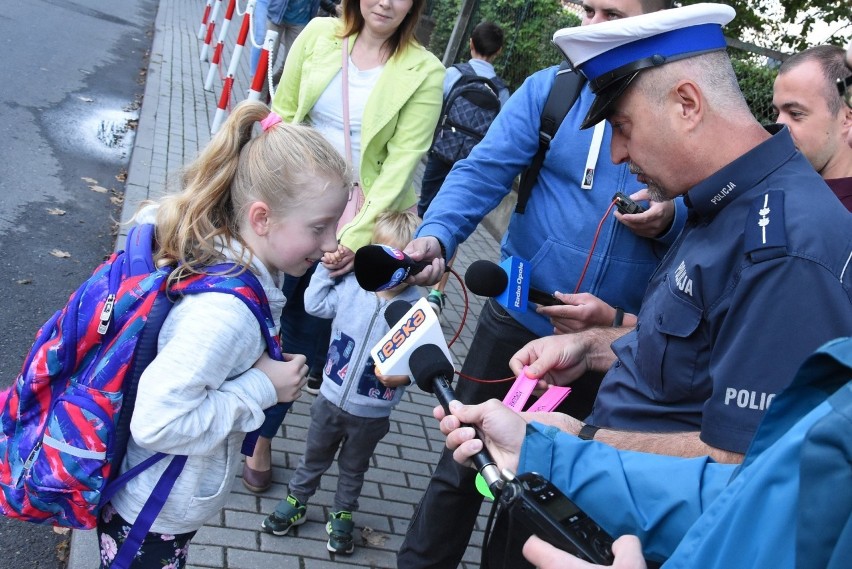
{"x":399,"y":117}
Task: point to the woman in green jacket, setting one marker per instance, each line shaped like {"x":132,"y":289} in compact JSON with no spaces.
{"x":392,"y":89}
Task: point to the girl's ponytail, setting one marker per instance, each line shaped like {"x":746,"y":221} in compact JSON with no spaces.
{"x":188,"y":222}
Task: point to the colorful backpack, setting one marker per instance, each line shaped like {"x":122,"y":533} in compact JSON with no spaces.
{"x":66,"y":420}
{"x":469,"y":109}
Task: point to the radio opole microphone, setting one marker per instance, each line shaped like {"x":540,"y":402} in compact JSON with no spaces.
{"x":508,"y":283}
{"x":381,"y":267}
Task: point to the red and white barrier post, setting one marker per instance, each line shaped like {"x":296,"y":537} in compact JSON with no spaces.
{"x":222,"y":108}
{"x":204,"y":19}
{"x":262,"y":64}
{"x":211,"y":26}
{"x":220,"y":46}
{"x":241,"y":39}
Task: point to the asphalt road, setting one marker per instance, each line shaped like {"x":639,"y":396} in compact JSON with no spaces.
{"x":73,"y":78}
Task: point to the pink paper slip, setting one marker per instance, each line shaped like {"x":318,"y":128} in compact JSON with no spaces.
{"x":520,"y":391}
{"x":523,"y":387}
{"x":550,"y":399}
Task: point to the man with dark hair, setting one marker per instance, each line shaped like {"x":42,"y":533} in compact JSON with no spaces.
{"x":557,"y":233}
{"x":809,"y":101}
{"x":486,"y":44}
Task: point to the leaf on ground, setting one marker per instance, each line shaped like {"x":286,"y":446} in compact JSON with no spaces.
{"x":121,"y":176}
{"x":89,"y":180}
{"x":117,"y":200}
{"x":61,"y":531}
{"x":60,"y":254}
{"x":24,"y":281}
{"x":86,"y":99}
{"x":99,"y":189}
{"x":55,"y":211}
{"x":372,"y":537}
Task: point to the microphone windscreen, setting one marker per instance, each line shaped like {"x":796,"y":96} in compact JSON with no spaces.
{"x":484,"y":278}
{"x":375,"y":267}
{"x":428,"y":362}
{"x":395,"y":311}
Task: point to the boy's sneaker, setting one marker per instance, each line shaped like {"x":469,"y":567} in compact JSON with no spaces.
{"x":288,"y":513}
{"x":314,"y":384}
{"x":339,"y":528}
{"x":436,"y":300}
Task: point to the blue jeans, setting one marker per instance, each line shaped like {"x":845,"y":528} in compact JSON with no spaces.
{"x":433,"y":178}
{"x":259,"y":27}
{"x":301,"y":333}
{"x":444,"y":519}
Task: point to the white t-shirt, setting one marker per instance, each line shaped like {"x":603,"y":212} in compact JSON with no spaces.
{"x":327,"y":114}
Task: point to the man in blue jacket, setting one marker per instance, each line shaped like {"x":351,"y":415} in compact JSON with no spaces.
{"x":556,"y":235}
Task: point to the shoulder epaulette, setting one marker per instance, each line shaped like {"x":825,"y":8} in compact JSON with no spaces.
{"x":765,"y":232}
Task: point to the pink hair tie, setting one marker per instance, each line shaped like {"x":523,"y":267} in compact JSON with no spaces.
{"x":271,"y":120}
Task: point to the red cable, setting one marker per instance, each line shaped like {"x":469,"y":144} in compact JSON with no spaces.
{"x":594,"y":243}
{"x":576,"y":289}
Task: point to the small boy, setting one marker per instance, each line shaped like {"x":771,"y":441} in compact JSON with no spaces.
{"x":353,"y":407}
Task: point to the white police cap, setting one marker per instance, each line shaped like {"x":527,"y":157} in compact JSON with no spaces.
{"x":611,"y":54}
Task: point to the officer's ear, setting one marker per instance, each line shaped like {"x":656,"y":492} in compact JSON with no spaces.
{"x":689,"y":101}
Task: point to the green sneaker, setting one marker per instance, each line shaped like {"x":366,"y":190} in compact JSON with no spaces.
{"x":288,"y":513}
{"x":339,"y":528}
{"x":437,"y":300}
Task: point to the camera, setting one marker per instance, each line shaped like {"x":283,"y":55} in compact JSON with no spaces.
{"x":544,"y":510}
{"x":625,"y":204}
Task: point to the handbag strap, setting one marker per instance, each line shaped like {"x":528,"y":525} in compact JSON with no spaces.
{"x":345,"y":81}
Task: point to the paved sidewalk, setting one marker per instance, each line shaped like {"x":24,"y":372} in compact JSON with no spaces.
{"x":174,"y":124}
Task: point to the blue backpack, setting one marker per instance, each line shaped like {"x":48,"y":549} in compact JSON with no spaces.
{"x":66,"y":420}
{"x":469,"y":109}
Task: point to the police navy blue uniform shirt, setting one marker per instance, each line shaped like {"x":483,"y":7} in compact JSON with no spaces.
{"x":758,"y":279}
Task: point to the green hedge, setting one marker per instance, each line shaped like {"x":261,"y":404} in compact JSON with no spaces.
{"x":756,"y":83}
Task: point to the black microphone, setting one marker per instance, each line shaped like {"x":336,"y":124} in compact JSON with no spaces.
{"x":381,"y":267}
{"x":433,"y":373}
{"x":485,"y":278}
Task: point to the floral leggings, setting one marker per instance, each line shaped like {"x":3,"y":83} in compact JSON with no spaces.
{"x":158,"y":551}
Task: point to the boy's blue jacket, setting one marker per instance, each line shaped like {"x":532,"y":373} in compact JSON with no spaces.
{"x":788,"y":505}
{"x":557,"y":229}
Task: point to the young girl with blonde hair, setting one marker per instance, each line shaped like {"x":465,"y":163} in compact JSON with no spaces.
{"x":268,"y":204}
{"x":364,"y":81}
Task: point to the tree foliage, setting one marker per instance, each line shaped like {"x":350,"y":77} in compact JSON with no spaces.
{"x":774,"y":23}
{"x":528,"y":27}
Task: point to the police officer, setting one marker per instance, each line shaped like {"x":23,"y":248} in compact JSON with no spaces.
{"x":758,"y":279}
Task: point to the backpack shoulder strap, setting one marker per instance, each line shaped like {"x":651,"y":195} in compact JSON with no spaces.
{"x":139,"y":249}
{"x":465,"y":68}
{"x":564,"y":93}
{"x":499,"y":83}
{"x":245,"y":286}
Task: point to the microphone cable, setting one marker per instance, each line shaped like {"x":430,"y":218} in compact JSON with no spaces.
{"x":576,"y":290}
{"x":464,"y":311}
{"x":592,"y":249}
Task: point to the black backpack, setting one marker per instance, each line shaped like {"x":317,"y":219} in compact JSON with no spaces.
{"x":470,"y":107}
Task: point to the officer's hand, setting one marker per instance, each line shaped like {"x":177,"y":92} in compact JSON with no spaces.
{"x":653,"y":222}
{"x":558,"y":360}
{"x":426,"y":249}
{"x":627,"y":551}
